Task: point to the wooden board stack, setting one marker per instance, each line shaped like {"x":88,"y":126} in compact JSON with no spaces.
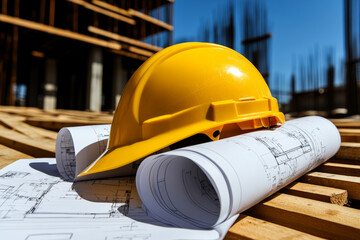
{"x":324,"y":203}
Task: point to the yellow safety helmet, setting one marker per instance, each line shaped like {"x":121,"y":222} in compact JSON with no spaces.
{"x":183,"y":90}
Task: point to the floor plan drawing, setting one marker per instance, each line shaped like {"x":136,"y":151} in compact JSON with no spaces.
{"x":286,"y":150}
{"x":35,"y":205}
{"x":14,"y":174}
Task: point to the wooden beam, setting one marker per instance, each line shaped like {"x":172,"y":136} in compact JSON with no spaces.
{"x":350,"y":134}
{"x":130,"y":55}
{"x":27,"y":145}
{"x":345,"y":161}
{"x":317,"y":192}
{"x":56,"y":124}
{"x":4,"y":6}
{"x":137,"y":50}
{"x":340,"y":168}
{"x":123,"y":38}
{"x":103,"y":11}
{"x":85,"y":115}
{"x":111,"y":7}
{"x":150,"y":19}
{"x":52,"y":13}
{"x":349,"y":131}
{"x":349,"y":150}
{"x":247,"y":227}
{"x":42,"y":11}
{"x":16,"y":123}
{"x":9,"y":155}
{"x":75,"y":18}
{"x":57,"y":31}
{"x":346,"y":123}
{"x":314,"y":217}
{"x":350,"y":138}
{"x":21,"y":111}
{"x":350,"y":183}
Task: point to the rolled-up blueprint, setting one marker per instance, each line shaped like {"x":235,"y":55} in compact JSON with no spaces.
{"x":78,"y":147}
{"x":204,"y":185}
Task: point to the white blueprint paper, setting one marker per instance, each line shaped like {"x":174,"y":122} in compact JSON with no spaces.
{"x":202,"y":186}
{"x":78,"y":147}
{"x":36,"y":204}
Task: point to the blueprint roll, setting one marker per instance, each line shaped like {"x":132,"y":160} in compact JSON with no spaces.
{"x":203,"y":186}
{"x":77,"y":147}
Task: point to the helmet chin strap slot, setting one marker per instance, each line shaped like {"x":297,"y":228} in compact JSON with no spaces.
{"x":216,"y":133}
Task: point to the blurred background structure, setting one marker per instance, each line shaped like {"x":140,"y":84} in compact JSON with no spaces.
{"x":79,"y":54}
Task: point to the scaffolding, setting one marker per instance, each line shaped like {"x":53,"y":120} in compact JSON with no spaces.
{"x":84,"y":50}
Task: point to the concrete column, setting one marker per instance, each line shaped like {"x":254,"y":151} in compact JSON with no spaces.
{"x":50,"y":84}
{"x":94,"y":80}
{"x":120,"y":75}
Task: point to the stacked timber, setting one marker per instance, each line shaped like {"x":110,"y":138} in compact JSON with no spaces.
{"x":324,"y":203}
{"x":31,"y":132}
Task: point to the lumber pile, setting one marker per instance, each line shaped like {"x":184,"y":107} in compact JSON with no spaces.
{"x":324,"y":203}
{"x":31,"y":132}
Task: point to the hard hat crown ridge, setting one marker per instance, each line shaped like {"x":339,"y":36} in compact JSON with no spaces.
{"x":184,"y":90}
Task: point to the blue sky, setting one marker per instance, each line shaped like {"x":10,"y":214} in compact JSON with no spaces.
{"x":298,"y":29}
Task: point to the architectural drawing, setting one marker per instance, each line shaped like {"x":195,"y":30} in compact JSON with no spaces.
{"x":34,"y":205}
{"x":206,"y":185}
{"x":286,"y":152}
{"x":13,"y":174}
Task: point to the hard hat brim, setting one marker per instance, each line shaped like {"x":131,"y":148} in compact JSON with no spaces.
{"x":112,"y":160}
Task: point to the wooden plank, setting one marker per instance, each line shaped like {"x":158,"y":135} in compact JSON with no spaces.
{"x":42,"y":11}
{"x":15,"y":123}
{"x":81,"y":114}
{"x":340,"y":168}
{"x":347,"y":124}
{"x":130,"y":55}
{"x":345,"y":161}
{"x":349,"y":150}
{"x":56,"y":124}
{"x":139,"y":51}
{"x":247,"y":227}
{"x":57,"y":31}
{"x":350,"y":138}
{"x":9,"y":155}
{"x":20,"y":110}
{"x":350,"y":183}
{"x":4,"y":6}
{"x":314,"y":217}
{"x":349,"y":131}
{"x":150,"y":19}
{"x":104,"y":11}
{"x":27,"y":145}
{"x":111,"y":7}
{"x":123,"y":38}
{"x":52,"y":13}
{"x":350,"y":134}
{"x":317,"y":192}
